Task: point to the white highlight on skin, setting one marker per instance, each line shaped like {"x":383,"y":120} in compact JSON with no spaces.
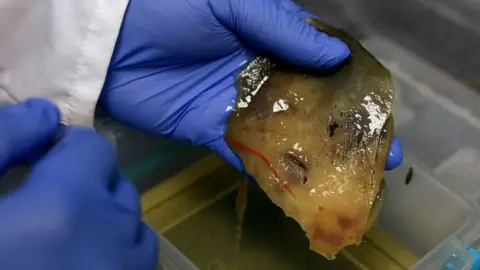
{"x":252,"y":77}
{"x":297,"y":147}
{"x":376,"y":117}
{"x":242,"y":104}
{"x":254,"y":92}
{"x":280,"y":105}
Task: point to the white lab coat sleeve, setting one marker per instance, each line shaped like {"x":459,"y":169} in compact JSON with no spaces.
{"x":58,"y":49}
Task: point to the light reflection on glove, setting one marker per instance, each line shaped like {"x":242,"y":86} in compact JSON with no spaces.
{"x":75,"y":210}
{"x":175,"y":63}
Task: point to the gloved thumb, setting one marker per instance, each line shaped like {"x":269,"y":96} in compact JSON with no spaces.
{"x":24,"y":127}
{"x":277,"y":27}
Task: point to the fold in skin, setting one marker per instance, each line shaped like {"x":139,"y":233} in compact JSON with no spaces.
{"x":317,"y":141}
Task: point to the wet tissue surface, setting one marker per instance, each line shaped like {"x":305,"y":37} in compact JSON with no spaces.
{"x":317,"y":142}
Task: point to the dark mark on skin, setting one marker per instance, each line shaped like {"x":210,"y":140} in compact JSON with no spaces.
{"x":345,"y":223}
{"x":297,"y":161}
{"x":409,"y":176}
{"x":332,"y":128}
{"x":331,"y":239}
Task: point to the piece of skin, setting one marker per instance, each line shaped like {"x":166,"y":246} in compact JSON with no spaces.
{"x":317,"y":143}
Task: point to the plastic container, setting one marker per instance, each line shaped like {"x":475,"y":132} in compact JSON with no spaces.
{"x":427,"y":224}
{"x":436,"y":216}
{"x":430,"y":46}
{"x":146,"y":159}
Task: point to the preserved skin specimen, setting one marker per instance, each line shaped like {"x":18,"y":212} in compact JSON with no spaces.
{"x":317,"y":142}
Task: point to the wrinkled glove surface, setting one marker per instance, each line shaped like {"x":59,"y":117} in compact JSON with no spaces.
{"x":75,"y":210}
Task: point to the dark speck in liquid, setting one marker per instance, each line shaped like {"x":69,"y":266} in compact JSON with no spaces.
{"x":409,"y":176}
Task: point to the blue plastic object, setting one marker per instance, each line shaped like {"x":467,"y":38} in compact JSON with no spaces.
{"x":476,"y":258}
{"x":458,"y":262}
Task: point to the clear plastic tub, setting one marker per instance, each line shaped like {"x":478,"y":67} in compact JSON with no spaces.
{"x":427,"y":224}
{"x":430,"y":46}
{"x":146,"y":159}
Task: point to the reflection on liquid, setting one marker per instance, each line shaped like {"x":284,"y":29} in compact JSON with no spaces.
{"x":269,"y":240}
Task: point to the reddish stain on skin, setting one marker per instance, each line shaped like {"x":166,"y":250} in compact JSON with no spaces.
{"x":326,"y":237}
{"x":264,"y":159}
{"x":345,"y":223}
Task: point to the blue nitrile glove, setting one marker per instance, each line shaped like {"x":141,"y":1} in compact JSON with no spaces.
{"x":75,"y":210}
{"x":175,"y":63}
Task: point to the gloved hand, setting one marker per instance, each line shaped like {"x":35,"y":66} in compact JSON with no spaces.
{"x":175,"y":63}
{"x":75,"y":211}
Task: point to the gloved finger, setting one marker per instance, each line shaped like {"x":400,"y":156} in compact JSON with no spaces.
{"x":145,"y":254}
{"x":291,"y":7}
{"x":395,"y":155}
{"x":271,"y":27}
{"x":81,"y":157}
{"x":127,"y":195}
{"x":42,"y":149}
{"x":24,"y":127}
{"x":221,"y":148}
{"x":128,"y":203}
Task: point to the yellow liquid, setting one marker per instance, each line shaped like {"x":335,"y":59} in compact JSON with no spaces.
{"x":201,"y":219}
